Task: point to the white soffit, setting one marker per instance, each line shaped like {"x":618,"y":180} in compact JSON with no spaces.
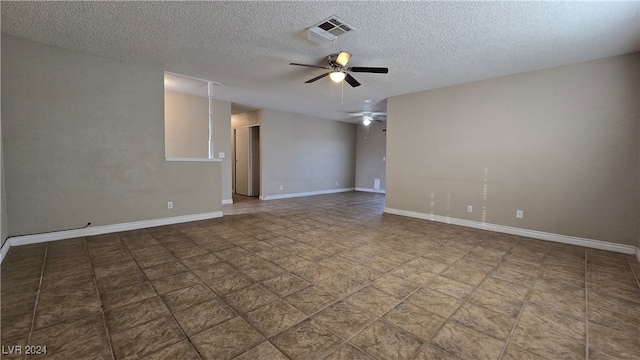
{"x":247,"y":45}
{"x":186,"y":85}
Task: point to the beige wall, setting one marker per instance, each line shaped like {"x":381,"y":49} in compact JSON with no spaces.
{"x":222,"y":142}
{"x":187,"y":131}
{"x":186,"y":125}
{"x":84,"y":141}
{"x":4,"y":222}
{"x":560,"y":144}
{"x":305,"y":153}
{"x":371,"y":148}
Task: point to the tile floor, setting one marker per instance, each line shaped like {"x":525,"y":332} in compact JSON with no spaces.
{"x":323,"y":277}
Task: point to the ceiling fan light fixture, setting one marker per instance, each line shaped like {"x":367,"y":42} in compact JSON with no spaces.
{"x":343,"y":58}
{"x":337,"y":76}
{"x":366,"y":120}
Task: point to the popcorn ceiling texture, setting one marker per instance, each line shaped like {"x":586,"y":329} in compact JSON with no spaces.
{"x":247,"y":46}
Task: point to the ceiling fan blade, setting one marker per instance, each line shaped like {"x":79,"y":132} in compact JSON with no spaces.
{"x":353,"y":82}
{"x":375,"y":70}
{"x":312,"y":66}
{"x":316,"y":78}
{"x":343,"y":58}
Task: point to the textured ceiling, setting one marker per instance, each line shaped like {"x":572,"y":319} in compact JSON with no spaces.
{"x":247,"y":46}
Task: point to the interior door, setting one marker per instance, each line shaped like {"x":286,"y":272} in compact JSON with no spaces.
{"x":243,"y":151}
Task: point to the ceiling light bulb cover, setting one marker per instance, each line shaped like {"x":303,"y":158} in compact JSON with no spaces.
{"x":337,"y":76}
{"x":366,"y":120}
{"x":343,"y":58}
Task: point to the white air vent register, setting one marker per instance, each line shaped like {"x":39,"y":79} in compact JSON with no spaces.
{"x":328,"y":30}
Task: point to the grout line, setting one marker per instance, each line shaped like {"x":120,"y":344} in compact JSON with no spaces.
{"x":160,"y":297}
{"x":586,"y":305}
{"x":427,"y":342}
{"x":524,"y":304}
{"x":95,"y":283}
{"x":35,"y":306}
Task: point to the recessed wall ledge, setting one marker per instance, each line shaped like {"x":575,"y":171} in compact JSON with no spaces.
{"x":191,"y":159}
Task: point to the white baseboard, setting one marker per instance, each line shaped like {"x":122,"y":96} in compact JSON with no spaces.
{"x":590,"y":243}
{"x":309,"y":193}
{"x":371,"y":190}
{"x":104,"y":229}
{"x":4,"y":250}
{"x":227,"y":201}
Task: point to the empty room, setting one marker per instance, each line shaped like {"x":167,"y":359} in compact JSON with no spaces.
{"x":320,"y":180}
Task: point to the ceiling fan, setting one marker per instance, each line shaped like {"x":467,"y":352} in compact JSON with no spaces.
{"x":340,"y":71}
{"x":368,"y":115}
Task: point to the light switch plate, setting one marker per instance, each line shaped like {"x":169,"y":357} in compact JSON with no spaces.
{"x":221,"y":155}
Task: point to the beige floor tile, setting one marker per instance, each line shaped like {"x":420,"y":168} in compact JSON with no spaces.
{"x":162,"y":270}
{"x":127,"y":295}
{"x":415,"y":320}
{"x":146,"y":338}
{"x":200,"y":317}
{"x":434,"y":302}
{"x":569,"y":300}
{"x":175,"y":282}
{"x":249,"y":298}
{"x":285,"y":284}
{"x":314,"y":272}
{"x":468,"y":272}
{"x":227,"y":284}
{"x":466,"y":343}
{"x":311,"y":299}
{"x":187,"y":297}
{"x":549,"y":335}
{"x":182,"y":350}
{"x":68,"y":335}
{"x":344,"y":318}
{"x":195,"y":262}
{"x":450,"y":287}
{"x":340,"y":285}
{"x":486,"y":321}
{"x":16,"y":327}
{"x":432,"y":353}
{"x":348,"y":352}
{"x":274,"y":317}
{"x":375,"y":301}
{"x":226,"y":340}
{"x":515,"y":353}
{"x":383,"y":341}
{"x":112,"y":282}
{"x":132,"y":315}
{"x":395,"y":286}
{"x":415,"y":275}
{"x":605,"y":342}
{"x":506,"y":288}
{"x":307,"y":340}
{"x":500,"y":303}
{"x":264,"y":350}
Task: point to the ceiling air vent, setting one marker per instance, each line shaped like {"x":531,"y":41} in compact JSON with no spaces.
{"x":328,"y":30}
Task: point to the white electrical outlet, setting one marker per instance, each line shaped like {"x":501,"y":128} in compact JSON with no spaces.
{"x":336,"y":183}
{"x":519,"y":214}
{"x":170,"y":205}
{"x":281,"y":187}
{"x":469,"y":208}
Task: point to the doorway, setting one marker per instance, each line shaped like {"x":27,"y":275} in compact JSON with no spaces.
{"x":247,"y":160}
